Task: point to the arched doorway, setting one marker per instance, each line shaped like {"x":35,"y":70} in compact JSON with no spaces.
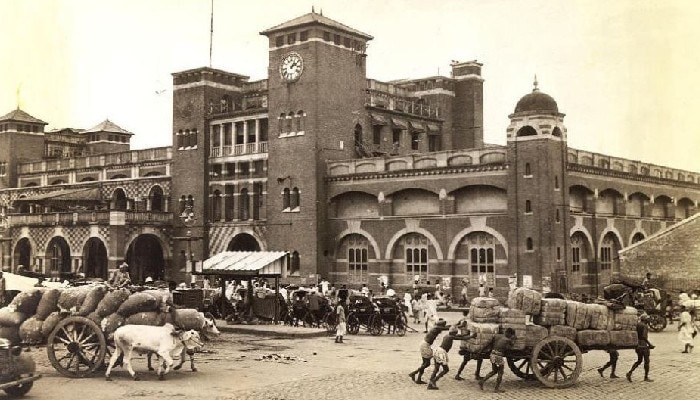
{"x":95,"y":259}
{"x":23,"y":253}
{"x":478,"y":256}
{"x":580,"y":257}
{"x":58,"y":258}
{"x":243,"y":242}
{"x":145,"y":258}
{"x":638,"y":237}
{"x":609,"y":248}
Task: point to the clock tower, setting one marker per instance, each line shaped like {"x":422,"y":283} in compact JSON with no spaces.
{"x":316,"y":97}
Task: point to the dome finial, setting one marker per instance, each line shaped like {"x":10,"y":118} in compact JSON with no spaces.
{"x":534,"y":84}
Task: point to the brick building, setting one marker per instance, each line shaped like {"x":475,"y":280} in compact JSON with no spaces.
{"x":357,"y":179}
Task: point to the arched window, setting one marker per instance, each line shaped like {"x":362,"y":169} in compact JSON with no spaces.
{"x":300,"y":121}
{"x":282,"y":123}
{"x":156,"y":198}
{"x":358,"y":249}
{"x":416,"y":253}
{"x":528,"y":170}
{"x":243,"y":205}
{"x":286,"y":199}
{"x":119,"y":200}
{"x":528,"y":207}
{"x":257,"y":199}
{"x":216,"y":206}
{"x":294,"y":199}
{"x":556,"y":132}
{"x":290,"y":124}
{"x":294,"y":263}
{"x":528,"y":244}
{"x":527,"y":131}
{"x":358,"y":135}
{"x":183,"y":203}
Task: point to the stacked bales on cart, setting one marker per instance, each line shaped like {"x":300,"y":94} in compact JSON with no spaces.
{"x":484,"y":335}
{"x":10,"y":320}
{"x":484,"y":310}
{"x":138,"y":302}
{"x":111,"y":322}
{"x":533,"y":334}
{"x":622,"y":320}
{"x":48,"y":303}
{"x":553,"y":312}
{"x":72,"y":298}
{"x":527,"y":300}
{"x":154,"y":318}
{"x":597,"y":316}
{"x":30,"y":331}
{"x":94,"y":296}
{"x":514,"y":319}
{"x":577,"y":315}
{"x":186,"y":318}
{"x":593,"y":338}
{"x":50,"y":323}
{"x":111,"y":301}
{"x":566,"y":331}
{"x":627,"y":338}
{"x":27,"y":302}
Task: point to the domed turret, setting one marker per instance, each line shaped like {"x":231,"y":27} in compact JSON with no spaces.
{"x":537,"y":102}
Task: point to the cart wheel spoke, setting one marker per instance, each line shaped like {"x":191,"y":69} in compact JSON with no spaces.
{"x":561,"y":371}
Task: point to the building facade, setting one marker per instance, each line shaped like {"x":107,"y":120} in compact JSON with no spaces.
{"x":359,"y":180}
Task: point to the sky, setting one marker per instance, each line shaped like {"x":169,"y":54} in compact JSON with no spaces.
{"x":625,"y":73}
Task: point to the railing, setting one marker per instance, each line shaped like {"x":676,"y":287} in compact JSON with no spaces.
{"x":87,"y":217}
{"x":491,"y":156}
{"x":239,"y":149}
{"x":390,"y":102}
{"x":102,"y":160}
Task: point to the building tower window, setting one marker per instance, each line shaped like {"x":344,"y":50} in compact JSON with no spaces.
{"x":294,"y":200}
{"x":575,"y":258}
{"x":358,"y":248}
{"x":358,"y":135}
{"x":300,"y":121}
{"x":415,"y":140}
{"x":557,"y":216}
{"x":281,"y":123}
{"x":528,"y":170}
{"x":243,"y":206}
{"x":558,"y":253}
{"x":529,"y":245}
{"x":556,"y":182}
{"x":286,"y":199}
{"x":528,"y":207}
{"x":416,"y":248}
{"x":481,"y":260}
{"x":294,"y":263}
{"x":377,"y":134}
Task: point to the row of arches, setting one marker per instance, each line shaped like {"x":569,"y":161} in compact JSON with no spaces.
{"x":292,"y":122}
{"x":637,"y":204}
{"x":118,"y":201}
{"x":145,"y":256}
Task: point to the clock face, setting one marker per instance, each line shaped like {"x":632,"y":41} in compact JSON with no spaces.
{"x":291,"y":67}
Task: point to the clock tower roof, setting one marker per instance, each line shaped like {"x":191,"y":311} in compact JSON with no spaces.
{"x":313,"y":18}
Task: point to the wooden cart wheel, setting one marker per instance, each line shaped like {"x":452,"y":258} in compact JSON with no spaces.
{"x":330,"y":322}
{"x":375,"y":325}
{"x":556,"y":361}
{"x":76,"y":347}
{"x":522,"y":368}
{"x":657,"y":322}
{"x":400,"y":324}
{"x":353,"y":324}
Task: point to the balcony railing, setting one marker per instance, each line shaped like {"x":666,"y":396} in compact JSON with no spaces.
{"x":239,"y":149}
{"x":103,"y":160}
{"x":87,"y":217}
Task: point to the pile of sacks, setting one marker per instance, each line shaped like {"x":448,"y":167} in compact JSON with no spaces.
{"x":32,"y":315}
{"x":589,"y":325}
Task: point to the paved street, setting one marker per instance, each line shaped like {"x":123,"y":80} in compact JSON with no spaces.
{"x":364,"y":366}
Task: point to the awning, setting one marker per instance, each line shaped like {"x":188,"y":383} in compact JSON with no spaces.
{"x":379,"y":120}
{"x":399,"y":123}
{"x":433,"y":128}
{"x":83,"y":194}
{"x":247,"y":263}
{"x":417,"y":126}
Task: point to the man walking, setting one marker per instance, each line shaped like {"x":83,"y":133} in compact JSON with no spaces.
{"x":612,"y":363}
{"x":643,"y":348}
{"x":464,"y":351}
{"x":341,"y":327}
{"x":426,"y":352}
{"x":501,"y":344}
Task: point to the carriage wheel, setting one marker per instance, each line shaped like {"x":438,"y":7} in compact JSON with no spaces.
{"x":522,"y":368}
{"x":556,"y":362}
{"x":657,"y":322}
{"x":76,"y":347}
{"x":376,"y":325}
{"x":353,"y":324}
{"x":400,"y":323}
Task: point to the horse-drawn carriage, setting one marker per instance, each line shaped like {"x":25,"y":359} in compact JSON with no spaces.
{"x":376,"y":315}
{"x":299,"y":308}
{"x":653,"y":301}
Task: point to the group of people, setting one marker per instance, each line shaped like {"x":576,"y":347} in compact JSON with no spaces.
{"x":643,"y":351}
{"x":495,"y":351}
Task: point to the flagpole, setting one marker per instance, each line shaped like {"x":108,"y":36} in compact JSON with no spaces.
{"x":211,"y":31}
